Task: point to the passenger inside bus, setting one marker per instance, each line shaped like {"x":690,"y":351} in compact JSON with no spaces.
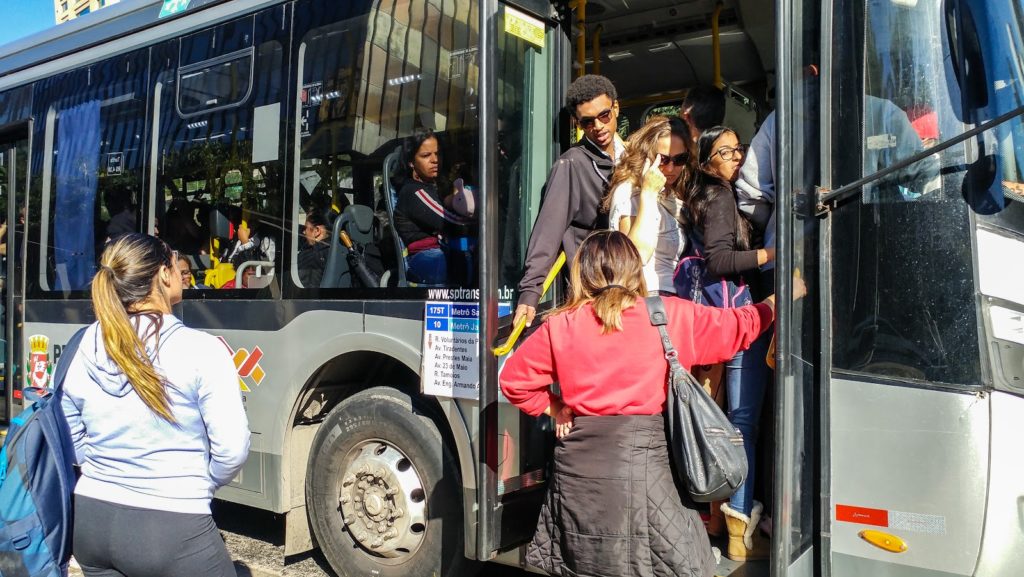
{"x":722,"y":235}
{"x":648,"y":189}
{"x":703,"y":107}
{"x":313,"y":254}
{"x":438,"y":238}
{"x":250,"y":245}
{"x":184,"y":271}
{"x":182,"y":231}
{"x":123,"y":214}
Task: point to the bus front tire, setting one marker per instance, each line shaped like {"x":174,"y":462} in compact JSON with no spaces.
{"x":382,"y":490}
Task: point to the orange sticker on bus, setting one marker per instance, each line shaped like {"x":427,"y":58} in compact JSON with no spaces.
{"x":862,"y":515}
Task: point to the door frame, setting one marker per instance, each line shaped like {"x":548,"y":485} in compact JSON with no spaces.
{"x":10,"y":136}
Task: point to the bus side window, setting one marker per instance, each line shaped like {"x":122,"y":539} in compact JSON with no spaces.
{"x":364,"y":84}
{"x":219,"y":194}
{"x":92,"y":175}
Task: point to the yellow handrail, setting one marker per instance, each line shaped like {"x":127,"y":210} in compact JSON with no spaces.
{"x":518,"y":329}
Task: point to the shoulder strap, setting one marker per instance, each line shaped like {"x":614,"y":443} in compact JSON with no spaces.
{"x":659,"y":318}
{"x":656,"y":310}
{"x":64,"y":362}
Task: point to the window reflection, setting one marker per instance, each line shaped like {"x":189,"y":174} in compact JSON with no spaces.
{"x":219,"y":198}
{"x":525,"y":151}
{"x":96,"y":138}
{"x":366,"y":84}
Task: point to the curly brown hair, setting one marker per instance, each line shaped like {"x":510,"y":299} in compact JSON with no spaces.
{"x":642,"y":147}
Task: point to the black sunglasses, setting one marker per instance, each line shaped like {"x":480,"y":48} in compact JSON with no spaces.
{"x":678,"y":160}
{"x":605,"y":117}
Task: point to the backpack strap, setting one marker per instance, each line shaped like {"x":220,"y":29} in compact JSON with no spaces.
{"x":64,"y":362}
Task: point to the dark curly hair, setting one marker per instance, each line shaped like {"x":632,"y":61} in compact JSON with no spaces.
{"x":586,"y":88}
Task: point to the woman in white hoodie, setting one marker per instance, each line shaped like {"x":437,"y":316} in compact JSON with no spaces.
{"x":158,"y":424}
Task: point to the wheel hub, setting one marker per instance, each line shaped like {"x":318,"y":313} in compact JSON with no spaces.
{"x":382,"y":500}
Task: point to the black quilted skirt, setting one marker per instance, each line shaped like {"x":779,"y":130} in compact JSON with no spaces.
{"x":613,"y":508}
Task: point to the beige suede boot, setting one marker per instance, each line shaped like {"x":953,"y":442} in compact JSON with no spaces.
{"x":745,"y":541}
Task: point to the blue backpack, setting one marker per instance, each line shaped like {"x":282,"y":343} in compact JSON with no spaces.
{"x":36,"y":482}
{"x":692,"y":281}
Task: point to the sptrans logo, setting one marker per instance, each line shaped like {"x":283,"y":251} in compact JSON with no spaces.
{"x":248,"y":365}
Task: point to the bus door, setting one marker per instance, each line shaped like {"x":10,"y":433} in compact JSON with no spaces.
{"x":13,"y":178}
{"x":796,"y":467}
{"x":529,"y":83}
{"x":921,"y":311}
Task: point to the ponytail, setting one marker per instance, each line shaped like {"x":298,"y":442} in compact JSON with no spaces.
{"x":124,"y":266}
{"x":608,"y":305}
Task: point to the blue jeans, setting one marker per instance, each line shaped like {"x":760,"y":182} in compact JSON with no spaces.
{"x":428,"y":266}
{"x":746,"y":377}
{"x":452,"y":264}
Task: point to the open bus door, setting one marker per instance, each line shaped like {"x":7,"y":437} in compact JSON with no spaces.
{"x":920,"y":243}
{"x":523,"y":78}
{"x":796,"y":541}
{"x":14,"y":169}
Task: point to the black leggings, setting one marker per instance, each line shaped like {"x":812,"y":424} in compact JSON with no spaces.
{"x":112,"y":540}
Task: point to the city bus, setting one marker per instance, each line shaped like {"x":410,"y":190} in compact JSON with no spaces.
{"x":379,"y":434}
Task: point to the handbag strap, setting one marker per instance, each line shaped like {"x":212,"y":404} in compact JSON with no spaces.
{"x":659,"y":318}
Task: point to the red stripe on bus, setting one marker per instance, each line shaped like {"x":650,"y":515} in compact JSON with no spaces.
{"x":862,"y":515}
{"x":250,"y":363}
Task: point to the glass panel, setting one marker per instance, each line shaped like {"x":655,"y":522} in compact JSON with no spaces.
{"x":215,"y":86}
{"x":96,"y":167}
{"x":219,"y":197}
{"x":903,"y":286}
{"x":525,"y":149}
{"x":798,"y":464}
{"x":11,"y":252}
{"x":367,"y":85}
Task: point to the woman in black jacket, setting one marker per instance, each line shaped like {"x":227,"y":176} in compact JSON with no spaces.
{"x":426,"y":221}
{"x":724,"y":237}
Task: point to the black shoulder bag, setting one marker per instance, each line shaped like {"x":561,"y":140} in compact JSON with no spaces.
{"x":706,"y":448}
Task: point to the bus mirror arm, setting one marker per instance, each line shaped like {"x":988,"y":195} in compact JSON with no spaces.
{"x":517,"y":330}
{"x":829,"y":200}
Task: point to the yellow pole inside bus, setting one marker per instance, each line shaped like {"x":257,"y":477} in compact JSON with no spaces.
{"x":581,"y":38}
{"x":716,"y":48}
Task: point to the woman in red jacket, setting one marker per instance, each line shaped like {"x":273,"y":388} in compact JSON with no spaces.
{"x":613,"y":507}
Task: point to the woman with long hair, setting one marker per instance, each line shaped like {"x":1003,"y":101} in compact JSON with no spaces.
{"x":427,"y":221}
{"x":609,"y":412}
{"x":646,"y":195}
{"x":158,"y":424}
{"x":724,"y":236}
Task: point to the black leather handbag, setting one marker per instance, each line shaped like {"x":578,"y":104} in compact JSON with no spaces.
{"x":707,"y":450}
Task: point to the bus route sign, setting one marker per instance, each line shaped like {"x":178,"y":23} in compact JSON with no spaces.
{"x":172,"y":7}
{"x":451,"y":349}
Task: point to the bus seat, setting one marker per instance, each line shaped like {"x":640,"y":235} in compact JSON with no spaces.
{"x":358,"y":221}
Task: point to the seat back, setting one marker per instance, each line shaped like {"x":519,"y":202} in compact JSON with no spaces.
{"x":392,"y":167}
{"x":358,"y":222}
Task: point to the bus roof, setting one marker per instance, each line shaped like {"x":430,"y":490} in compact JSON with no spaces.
{"x":74,"y":43}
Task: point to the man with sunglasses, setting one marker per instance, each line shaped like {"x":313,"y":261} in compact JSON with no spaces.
{"x":572,"y":195}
